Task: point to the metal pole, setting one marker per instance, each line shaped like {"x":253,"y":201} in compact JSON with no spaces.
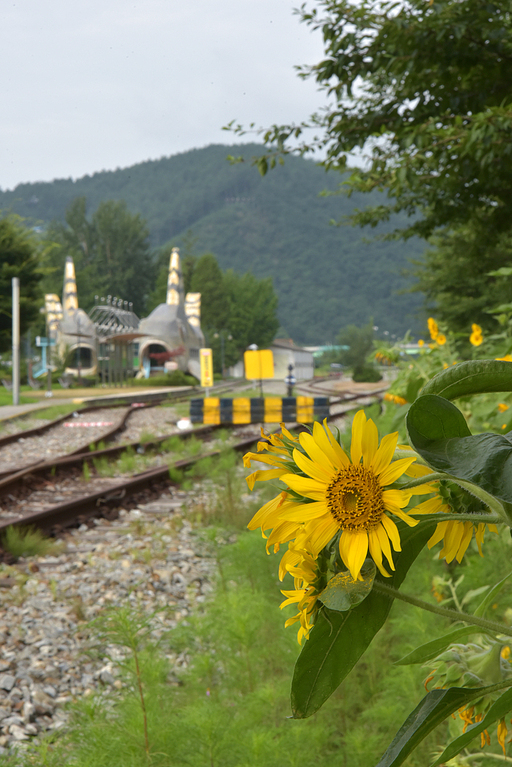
{"x":15,"y":341}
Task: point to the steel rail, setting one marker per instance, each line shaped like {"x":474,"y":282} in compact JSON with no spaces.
{"x":66,"y":514}
{"x":42,"y":467}
{"x":11,"y":480}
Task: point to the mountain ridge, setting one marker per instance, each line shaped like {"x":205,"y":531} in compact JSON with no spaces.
{"x":278,"y":225}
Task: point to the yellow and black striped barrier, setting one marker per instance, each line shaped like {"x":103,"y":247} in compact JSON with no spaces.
{"x":259,"y":410}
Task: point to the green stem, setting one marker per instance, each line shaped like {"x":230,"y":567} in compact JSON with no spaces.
{"x":489,"y":519}
{"x":454,"y":615}
{"x":426,"y":480}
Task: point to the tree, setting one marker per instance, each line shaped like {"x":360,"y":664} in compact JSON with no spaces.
{"x":360,"y":344}
{"x":455,"y":277}
{"x":424,"y":88}
{"x":208,"y":280}
{"x":236,"y":310}
{"x":253,"y":317}
{"x":111,"y":253}
{"x":19,"y":257}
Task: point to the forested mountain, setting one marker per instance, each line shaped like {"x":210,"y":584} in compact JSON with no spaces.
{"x":325,"y":276}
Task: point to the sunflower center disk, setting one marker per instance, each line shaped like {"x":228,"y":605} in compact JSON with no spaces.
{"x":354,"y":498}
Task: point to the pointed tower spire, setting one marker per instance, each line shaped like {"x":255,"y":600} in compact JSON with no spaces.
{"x":69,"y":294}
{"x":193,"y":309}
{"x":175,"y":281}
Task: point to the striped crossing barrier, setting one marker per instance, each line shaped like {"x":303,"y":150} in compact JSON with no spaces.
{"x":259,"y":410}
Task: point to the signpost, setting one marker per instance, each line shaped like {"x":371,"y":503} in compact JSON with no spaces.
{"x":44,"y":344}
{"x":206,"y":362}
{"x":259,"y":364}
{"x":290,"y":381}
{"x":15,"y":341}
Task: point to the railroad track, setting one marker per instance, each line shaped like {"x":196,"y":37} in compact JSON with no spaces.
{"x":53,"y":494}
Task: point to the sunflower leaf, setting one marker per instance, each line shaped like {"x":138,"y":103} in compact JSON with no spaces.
{"x":497,"y":711}
{"x":431,"y":649}
{"x":343,"y":592}
{"x":490,"y":597}
{"x":471,"y":377}
{"x":339,"y":639}
{"x":429,"y":713}
{"x":433,"y":419}
{"x":438,"y":432}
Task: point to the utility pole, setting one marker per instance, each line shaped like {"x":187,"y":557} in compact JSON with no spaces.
{"x":15,"y":341}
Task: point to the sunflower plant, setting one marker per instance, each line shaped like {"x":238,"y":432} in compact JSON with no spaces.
{"x":350,"y":525}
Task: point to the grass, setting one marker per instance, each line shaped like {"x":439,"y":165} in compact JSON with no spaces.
{"x":6,"y":396}
{"x":28,"y":542}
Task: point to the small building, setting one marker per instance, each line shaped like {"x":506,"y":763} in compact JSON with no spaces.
{"x":285,"y":353}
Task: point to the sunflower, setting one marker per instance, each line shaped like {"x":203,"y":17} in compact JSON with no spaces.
{"x":331,"y":494}
{"x":433,"y":328}
{"x":456,"y":536}
{"x":307,"y":579}
{"x":476,"y":337}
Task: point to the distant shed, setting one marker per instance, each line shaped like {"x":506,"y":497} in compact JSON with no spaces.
{"x":285,"y":353}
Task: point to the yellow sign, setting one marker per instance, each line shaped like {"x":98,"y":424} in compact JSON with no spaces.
{"x":259,"y":364}
{"x":205,"y":358}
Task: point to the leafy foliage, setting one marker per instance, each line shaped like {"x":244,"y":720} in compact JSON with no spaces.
{"x":425,"y":88}
{"x":455,"y":276}
{"x":110,"y":249}
{"x":19,"y":257}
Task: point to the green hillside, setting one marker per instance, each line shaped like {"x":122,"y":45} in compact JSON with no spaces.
{"x":325,"y":276}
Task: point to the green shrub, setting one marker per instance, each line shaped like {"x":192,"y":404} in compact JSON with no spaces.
{"x":176,"y":378}
{"x":367,"y":374}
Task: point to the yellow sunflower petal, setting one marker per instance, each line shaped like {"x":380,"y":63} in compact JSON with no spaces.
{"x":320,"y":534}
{"x":309,"y":488}
{"x":394,"y":470}
{"x":370,"y":443}
{"x":332,"y":449}
{"x":316,"y":453}
{"x":288,"y":434}
{"x":403,"y":516}
{"x":452,"y":538}
{"x":395,"y":499}
{"x":263,"y":475}
{"x":385,"y":453}
{"x":384,"y":544}
{"x":354,"y":550}
{"x":392,"y":532}
{"x":479,"y":537}
{"x":356,"y":446}
{"x":312,"y":469}
{"x":260,"y":518}
{"x":272,"y":460}
{"x":305,"y":511}
{"x":438,"y":534}
{"x":431,"y":506}
{"x":418,"y":470}
{"x":376,"y":551}
{"x":282,"y":533}
{"x":465,"y":541}
{"x":340,"y":453}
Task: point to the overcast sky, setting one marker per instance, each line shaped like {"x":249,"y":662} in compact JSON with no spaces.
{"x":90,"y":85}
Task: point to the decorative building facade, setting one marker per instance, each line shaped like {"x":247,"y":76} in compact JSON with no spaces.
{"x":168,"y":339}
